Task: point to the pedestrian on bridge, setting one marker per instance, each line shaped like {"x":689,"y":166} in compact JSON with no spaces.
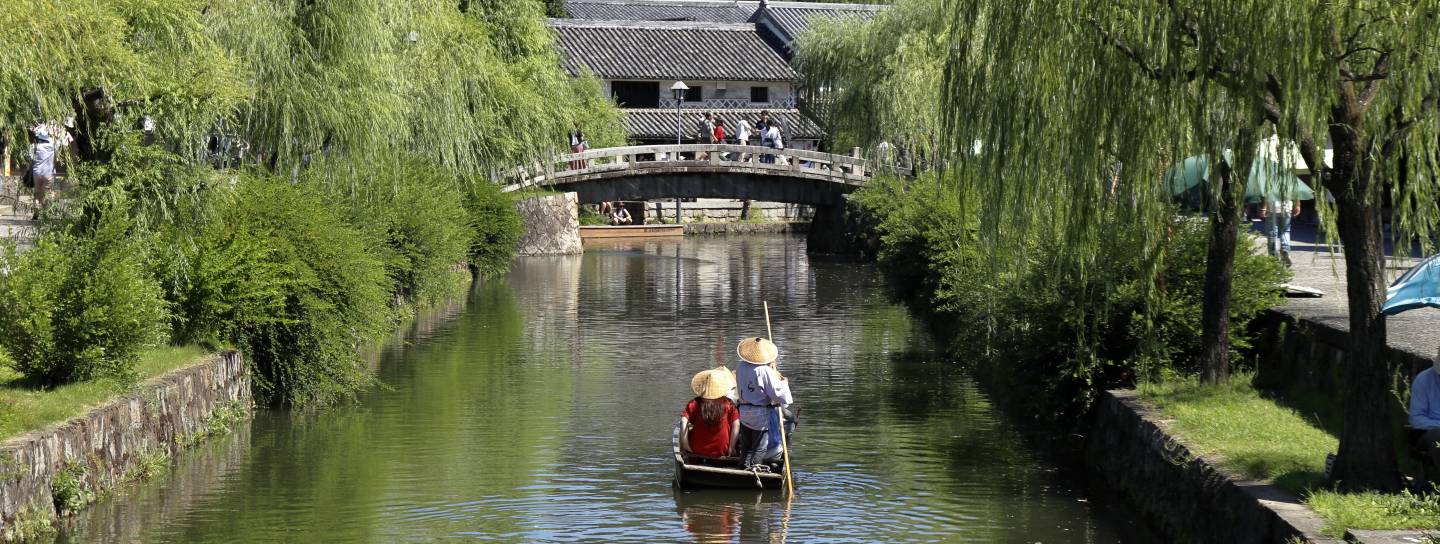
{"x":578,"y":144}
{"x":720,"y":136}
{"x":742,"y":136}
{"x":705,"y":135}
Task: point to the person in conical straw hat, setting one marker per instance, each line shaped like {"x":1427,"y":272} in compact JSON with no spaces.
{"x":710,"y":422}
{"x":760,"y":388}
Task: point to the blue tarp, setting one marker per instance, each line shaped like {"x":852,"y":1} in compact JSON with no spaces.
{"x":1418,"y":288}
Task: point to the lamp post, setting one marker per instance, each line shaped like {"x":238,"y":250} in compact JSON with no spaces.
{"x":678,"y":91}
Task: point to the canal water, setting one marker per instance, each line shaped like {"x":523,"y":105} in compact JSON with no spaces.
{"x":540,"y":409}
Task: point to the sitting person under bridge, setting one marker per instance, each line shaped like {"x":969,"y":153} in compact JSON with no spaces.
{"x":620,"y":216}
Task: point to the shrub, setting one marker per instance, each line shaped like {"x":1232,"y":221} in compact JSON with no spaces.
{"x":76,"y":308}
{"x":282,"y":276}
{"x":1053,"y":325}
{"x":414,"y":214}
{"x":497,"y":225}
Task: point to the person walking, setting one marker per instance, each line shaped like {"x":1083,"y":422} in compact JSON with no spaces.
{"x":773,"y":139}
{"x":705,"y":134}
{"x":742,"y":137}
{"x":1277,"y":214}
{"x":578,"y":144}
{"x":42,"y":166}
{"x":720,"y":136}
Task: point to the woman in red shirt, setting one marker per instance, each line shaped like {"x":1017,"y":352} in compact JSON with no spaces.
{"x":710,"y":421}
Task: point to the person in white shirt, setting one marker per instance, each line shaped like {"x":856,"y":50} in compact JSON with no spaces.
{"x":742,"y":136}
{"x":761,"y":389}
{"x":1277,"y":214}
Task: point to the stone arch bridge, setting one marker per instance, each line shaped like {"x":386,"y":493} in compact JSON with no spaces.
{"x":821,"y":180}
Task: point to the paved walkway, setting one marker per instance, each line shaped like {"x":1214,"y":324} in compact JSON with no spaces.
{"x":1416,"y":331}
{"x":15,"y":211}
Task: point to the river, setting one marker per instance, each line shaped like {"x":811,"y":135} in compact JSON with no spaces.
{"x":540,"y":409}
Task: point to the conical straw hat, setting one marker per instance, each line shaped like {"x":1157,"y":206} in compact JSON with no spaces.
{"x":713,"y":383}
{"x":757,"y":350}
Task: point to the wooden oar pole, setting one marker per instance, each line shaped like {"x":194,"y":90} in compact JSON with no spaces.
{"x":780,"y":416}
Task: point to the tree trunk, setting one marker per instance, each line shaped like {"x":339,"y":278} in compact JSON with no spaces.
{"x":1219,"y":276}
{"x":1367,"y":459}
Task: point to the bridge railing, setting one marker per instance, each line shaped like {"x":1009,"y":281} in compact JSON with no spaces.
{"x":640,"y":159}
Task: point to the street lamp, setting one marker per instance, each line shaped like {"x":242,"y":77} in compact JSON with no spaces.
{"x":678,"y":91}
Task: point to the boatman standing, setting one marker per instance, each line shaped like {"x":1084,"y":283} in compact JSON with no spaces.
{"x":761,"y":389}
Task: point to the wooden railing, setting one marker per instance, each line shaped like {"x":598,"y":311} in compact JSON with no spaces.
{"x":617,"y":161}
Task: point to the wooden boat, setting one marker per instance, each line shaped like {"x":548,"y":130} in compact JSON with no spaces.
{"x":631,"y":231}
{"x":693,"y":472}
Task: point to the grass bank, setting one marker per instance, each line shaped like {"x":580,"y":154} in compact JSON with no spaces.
{"x":24,"y":408}
{"x":1258,"y":437}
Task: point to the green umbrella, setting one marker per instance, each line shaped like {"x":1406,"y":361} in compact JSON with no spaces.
{"x":1268,"y":180}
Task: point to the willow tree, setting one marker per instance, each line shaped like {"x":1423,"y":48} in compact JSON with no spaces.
{"x":1094,"y":93}
{"x":878,"y":81}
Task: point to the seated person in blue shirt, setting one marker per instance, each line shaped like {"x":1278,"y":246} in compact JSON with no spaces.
{"x":1425,"y":414}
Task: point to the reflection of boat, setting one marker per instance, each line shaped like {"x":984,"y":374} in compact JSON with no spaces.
{"x":725,"y":515}
{"x":694,"y":472}
{"x":630,"y":231}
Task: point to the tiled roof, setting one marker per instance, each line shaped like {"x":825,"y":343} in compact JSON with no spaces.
{"x":792,"y":18}
{"x":657,"y":124}
{"x":669,"y":51}
{"x":712,"y":11}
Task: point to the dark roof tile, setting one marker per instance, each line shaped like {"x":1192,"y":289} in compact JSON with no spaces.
{"x":713,"y":11}
{"x":793,"y":18}
{"x":669,"y":51}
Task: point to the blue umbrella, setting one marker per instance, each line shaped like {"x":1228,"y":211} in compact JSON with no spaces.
{"x":1418,"y":288}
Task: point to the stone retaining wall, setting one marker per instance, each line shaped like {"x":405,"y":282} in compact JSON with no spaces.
{"x":1304,"y":354}
{"x":552,"y":225}
{"x":747,"y":228}
{"x":92,"y":454}
{"x":1184,"y":495}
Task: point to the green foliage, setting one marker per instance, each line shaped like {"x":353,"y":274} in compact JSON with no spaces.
{"x":1253,"y":436}
{"x":878,"y":80}
{"x":281,"y":275}
{"x":1057,"y":330}
{"x":1376,"y":511}
{"x":497,"y":225}
{"x":390,"y":113}
{"x":69,"y":489}
{"x":80,"y":308}
{"x":415,"y":219}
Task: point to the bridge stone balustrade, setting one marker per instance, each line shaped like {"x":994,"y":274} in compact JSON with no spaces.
{"x":698,"y":171}
{"x":725,"y":171}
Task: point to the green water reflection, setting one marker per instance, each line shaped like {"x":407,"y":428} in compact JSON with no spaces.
{"x":540,"y":410}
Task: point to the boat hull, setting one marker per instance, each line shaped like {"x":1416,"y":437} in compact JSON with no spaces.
{"x":692,"y":476}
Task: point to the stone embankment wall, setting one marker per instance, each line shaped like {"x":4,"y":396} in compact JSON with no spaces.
{"x":747,"y":228}
{"x":43,"y":472}
{"x":552,"y":225}
{"x":718,"y":209}
{"x":1184,"y":495}
{"x":1306,"y":354}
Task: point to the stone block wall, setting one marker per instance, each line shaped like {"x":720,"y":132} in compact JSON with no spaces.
{"x":1304,"y":354}
{"x":104,"y":448}
{"x":1184,"y":495}
{"x":552,"y":225}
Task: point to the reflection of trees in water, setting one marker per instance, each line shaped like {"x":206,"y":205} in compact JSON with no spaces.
{"x":131,"y":514}
{"x":723,"y":515}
